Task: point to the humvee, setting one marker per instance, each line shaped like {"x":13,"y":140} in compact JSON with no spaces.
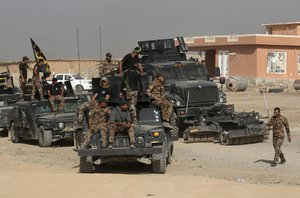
{"x":34,"y":120}
{"x":8,"y":96}
{"x":153,"y":141}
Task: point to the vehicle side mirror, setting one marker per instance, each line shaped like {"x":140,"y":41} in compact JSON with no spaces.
{"x":217,"y":71}
{"x":222,"y":80}
{"x":71,"y":79}
{"x":172,"y":88}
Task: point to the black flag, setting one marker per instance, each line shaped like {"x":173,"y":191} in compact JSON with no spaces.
{"x":38,"y":54}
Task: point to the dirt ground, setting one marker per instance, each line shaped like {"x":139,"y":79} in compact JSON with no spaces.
{"x":197,"y":170}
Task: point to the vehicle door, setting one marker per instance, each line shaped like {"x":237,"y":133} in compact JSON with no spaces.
{"x":60,"y":78}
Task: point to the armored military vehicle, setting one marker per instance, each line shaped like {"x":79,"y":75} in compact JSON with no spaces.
{"x":34,"y":120}
{"x":153,"y":141}
{"x":198,"y":103}
{"x":8,"y":96}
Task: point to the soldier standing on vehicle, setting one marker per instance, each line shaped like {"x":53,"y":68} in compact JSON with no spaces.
{"x":107,"y":66}
{"x":120,"y":122}
{"x":23,"y":72}
{"x":157,"y":96}
{"x":131,"y":61}
{"x":98,"y":122}
{"x":55,"y":93}
{"x":279,"y":122}
{"x":104,"y":90}
{"x":36,"y":81}
{"x":131,"y":86}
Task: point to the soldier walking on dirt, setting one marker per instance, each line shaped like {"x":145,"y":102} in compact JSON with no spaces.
{"x":120,"y":122}
{"x":279,"y":122}
{"x":55,"y":93}
{"x":157,"y":96}
{"x":23,"y":72}
{"x":107,"y":66}
{"x":36,"y":81}
{"x":98,"y":122}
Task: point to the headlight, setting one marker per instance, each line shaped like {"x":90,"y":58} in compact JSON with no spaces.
{"x":256,"y":117}
{"x":178,"y":103}
{"x":156,"y":134}
{"x":140,"y":140}
{"x":61,"y":125}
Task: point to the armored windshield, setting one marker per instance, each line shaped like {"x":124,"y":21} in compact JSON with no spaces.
{"x":44,"y":107}
{"x":149,"y":115}
{"x":183,"y":72}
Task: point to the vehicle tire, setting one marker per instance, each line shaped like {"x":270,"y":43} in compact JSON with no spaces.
{"x":226,"y":141}
{"x":12,"y":134}
{"x":44,"y":137}
{"x":159,"y":162}
{"x":79,"y":88}
{"x":85,"y":167}
{"x":174,"y":131}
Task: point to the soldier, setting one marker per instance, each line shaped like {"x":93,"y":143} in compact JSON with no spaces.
{"x":104,"y":90}
{"x":157,"y":96}
{"x":131,"y":86}
{"x":23,"y":72}
{"x":131,"y":61}
{"x":56,"y":92}
{"x":279,"y":122}
{"x":36,"y":85}
{"x":98,"y":122}
{"x":107,"y":66}
{"x":120,"y":122}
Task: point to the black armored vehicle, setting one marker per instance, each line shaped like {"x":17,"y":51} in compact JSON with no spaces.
{"x":152,"y":140}
{"x":34,"y":120}
{"x":198,"y":102}
{"x":8,"y":96}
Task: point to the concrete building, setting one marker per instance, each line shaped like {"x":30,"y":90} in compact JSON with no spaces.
{"x":273,"y":55}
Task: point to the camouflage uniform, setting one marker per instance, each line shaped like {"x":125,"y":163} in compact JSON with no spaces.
{"x":61,"y":101}
{"x":157,"y":90}
{"x":106,"y":68}
{"x":83,"y":107}
{"x":278,"y":123}
{"x":99,"y":118}
{"x":132,"y":99}
{"x":36,"y":85}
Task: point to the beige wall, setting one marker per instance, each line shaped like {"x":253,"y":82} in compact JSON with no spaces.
{"x":285,"y":29}
{"x":292,"y":62}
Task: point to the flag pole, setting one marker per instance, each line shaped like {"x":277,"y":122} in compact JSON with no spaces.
{"x":78,"y":54}
{"x":100,"y":42}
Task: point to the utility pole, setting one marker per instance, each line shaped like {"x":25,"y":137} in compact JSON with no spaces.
{"x":78,"y":54}
{"x":100,"y":42}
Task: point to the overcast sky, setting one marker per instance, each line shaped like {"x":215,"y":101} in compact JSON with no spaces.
{"x":52,"y":23}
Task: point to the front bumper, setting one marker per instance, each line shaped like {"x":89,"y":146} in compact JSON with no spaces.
{"x":119,"y":152}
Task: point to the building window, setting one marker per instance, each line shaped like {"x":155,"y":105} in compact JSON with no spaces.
{"x":299,"y":63}
{"x":276,"y":62}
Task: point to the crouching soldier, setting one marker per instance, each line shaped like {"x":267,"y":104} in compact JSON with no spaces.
{"x":157,"y":96}
{"x":120,"y":122}
{"x":55,"y":92}
{"x":98,"y":122}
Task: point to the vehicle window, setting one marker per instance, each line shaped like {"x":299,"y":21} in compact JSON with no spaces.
{"x":71,"y":106}
{"x":192,"y":71}
{"x":171,"y":72}
{"x":77,"y":76}
{"x":68,"y":77}
{"x":59,"y":77}
{"x":44,"y":107}
{"x":149,"y":115}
